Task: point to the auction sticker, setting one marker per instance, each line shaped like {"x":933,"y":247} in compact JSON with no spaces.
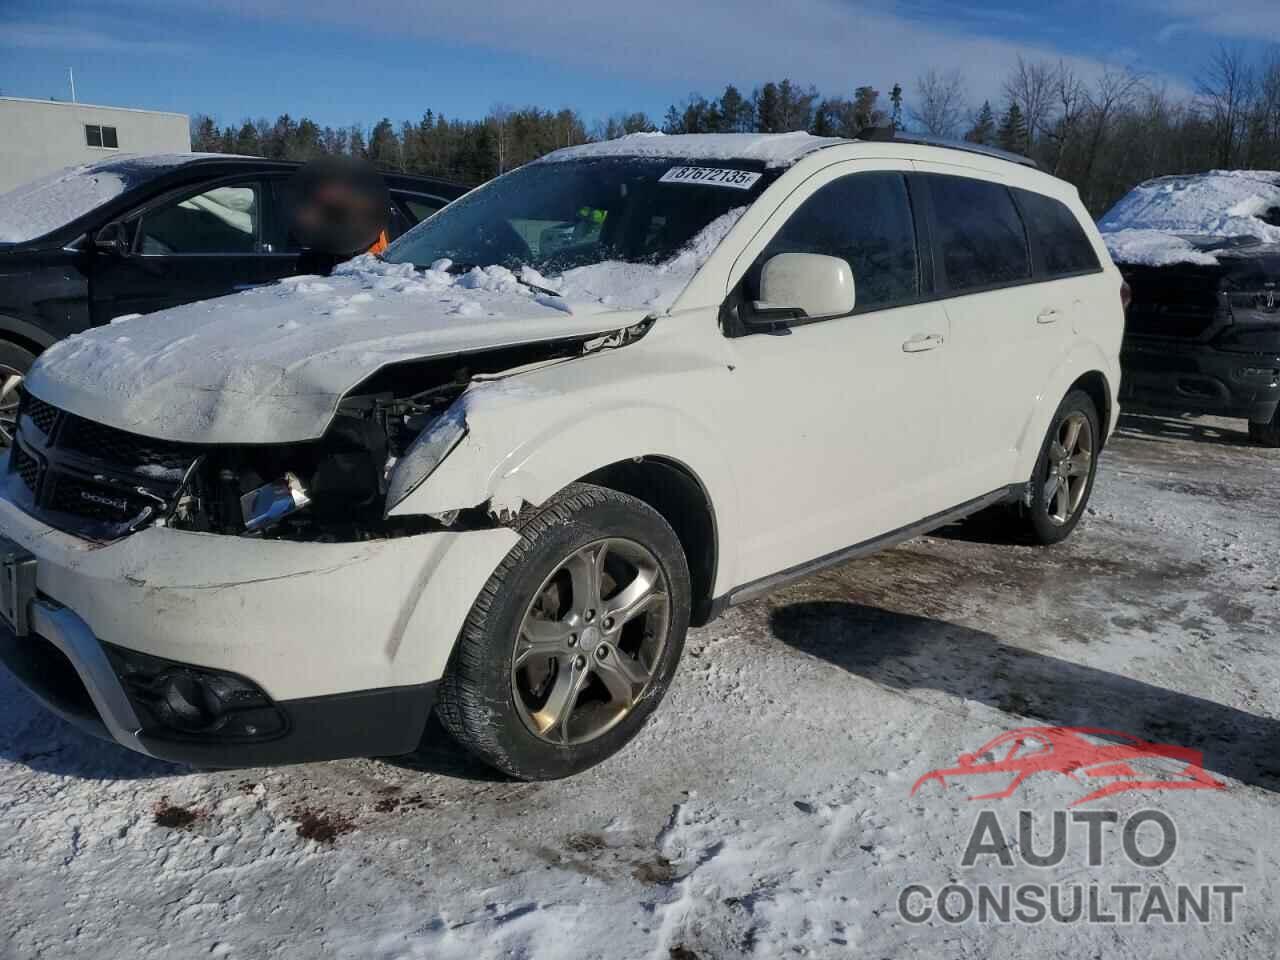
{"x":712,"y":177}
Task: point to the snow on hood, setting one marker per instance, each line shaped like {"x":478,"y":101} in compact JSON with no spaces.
{"x":1169,"y":219}
{"x":270,"y":365}
{"x":42,"y":206}
{"x":774,"y":149}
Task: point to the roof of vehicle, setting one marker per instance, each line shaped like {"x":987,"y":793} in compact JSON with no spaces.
{"x":48,"y":206}
{"x":772,"y":149}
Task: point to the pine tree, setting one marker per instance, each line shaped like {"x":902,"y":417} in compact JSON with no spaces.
{"x":384,"y":146}
{"x":984,"y":126}
{"x":735,"y":111}
{"x":1012,"y":135}
{"x":895,"y":98}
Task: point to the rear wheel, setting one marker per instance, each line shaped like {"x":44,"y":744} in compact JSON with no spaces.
{"x":15,"y":361}
{"x":573,"y":641}
{"x":1064,"y":472}
{"x":1267,"y":434}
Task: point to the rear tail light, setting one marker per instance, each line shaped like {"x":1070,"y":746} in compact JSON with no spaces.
{"x":1126,"y":296}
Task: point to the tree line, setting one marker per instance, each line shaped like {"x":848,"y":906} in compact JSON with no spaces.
{"x":1104,"y":131}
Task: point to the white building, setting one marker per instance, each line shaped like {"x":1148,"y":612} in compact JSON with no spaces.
{"x":40,"y":136}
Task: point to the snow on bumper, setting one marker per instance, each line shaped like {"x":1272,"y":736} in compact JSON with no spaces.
{"x":304,"y":622}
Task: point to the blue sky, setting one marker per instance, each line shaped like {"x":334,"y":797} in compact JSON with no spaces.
{"x":345,"y":61}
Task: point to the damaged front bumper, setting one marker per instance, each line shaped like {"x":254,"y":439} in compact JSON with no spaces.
{"x":327,"y":649}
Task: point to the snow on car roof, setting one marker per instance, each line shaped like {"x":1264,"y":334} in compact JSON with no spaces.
{"x":42,"y":206}
{"x":773,"y":149}
{"x":1168,"y":220}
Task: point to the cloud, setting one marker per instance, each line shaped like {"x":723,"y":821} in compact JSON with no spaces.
{"x":835,"y":44}
{"x":49,"y":36}
{"x":1236,"y":19}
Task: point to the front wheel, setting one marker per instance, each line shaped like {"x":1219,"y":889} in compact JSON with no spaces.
{"x":1063,"y":476}
{"x":573,"y":641}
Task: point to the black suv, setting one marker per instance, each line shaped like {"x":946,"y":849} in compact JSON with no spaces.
{"x":136,"y":234}
{"x":1201,"y":255}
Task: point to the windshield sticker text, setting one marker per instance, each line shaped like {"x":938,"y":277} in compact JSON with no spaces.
{"x":711,"y":176}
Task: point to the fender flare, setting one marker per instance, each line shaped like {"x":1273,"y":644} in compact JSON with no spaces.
{"x":25,"y":333}
{"x":1082,"y":360}
{"x":536,"y":466}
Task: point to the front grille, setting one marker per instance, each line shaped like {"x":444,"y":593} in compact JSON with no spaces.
{"x":93,"y":500}
{"x":27,"y":467}
{"x":88,"y":478}
{"x":42,"y":414}
{"x":127,"y":449}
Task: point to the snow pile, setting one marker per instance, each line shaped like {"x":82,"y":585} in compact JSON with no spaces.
{"x":42,"y":206}
{"x":774,"y":149}
{"x":1171,"y":219}
{"x":618,"y":284}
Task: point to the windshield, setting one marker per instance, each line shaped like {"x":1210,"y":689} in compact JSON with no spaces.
{"x":42,"y":206}
{"x":1223,"y":203}
{"x":555,"y":216}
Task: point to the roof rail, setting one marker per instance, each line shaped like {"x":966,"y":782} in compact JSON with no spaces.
{"x":924,"y":139}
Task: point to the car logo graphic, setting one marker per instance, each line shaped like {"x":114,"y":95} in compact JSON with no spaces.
{"x":104,"y":501}
{"x":1087,"y":755}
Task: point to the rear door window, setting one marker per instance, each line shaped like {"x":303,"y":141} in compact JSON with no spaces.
{"x":1061,"y":243}
{"x":865,"y":220}
{"x":980,"y":236}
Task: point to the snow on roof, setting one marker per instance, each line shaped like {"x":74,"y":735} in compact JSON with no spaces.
{"x":1168,"y":220}
{"x":42,"y":206}
{"x":774,"y":149}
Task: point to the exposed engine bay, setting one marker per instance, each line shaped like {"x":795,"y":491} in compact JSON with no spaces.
{"x":102,"y":483}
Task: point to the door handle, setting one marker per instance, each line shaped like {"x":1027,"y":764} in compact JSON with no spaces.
{"x":1048,"y":316}
{"x":922,"y":342}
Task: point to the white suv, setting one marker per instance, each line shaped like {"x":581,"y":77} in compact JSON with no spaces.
{"x":501,"y":470}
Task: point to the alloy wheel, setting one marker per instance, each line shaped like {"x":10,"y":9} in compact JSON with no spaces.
{"x":1070,"y":465}
{"x":9,"y":380}
{"x":590,"y":643}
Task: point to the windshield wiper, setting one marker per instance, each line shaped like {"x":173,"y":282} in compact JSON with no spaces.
{"x":461,"y":268}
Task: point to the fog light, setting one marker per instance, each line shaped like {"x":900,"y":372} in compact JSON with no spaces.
{"x":176,"y":699}
{"x":1258,"y":373}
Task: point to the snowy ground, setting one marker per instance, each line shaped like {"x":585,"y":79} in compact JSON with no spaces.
{"x":765,"y":810}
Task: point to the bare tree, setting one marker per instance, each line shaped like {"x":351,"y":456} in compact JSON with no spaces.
{"x":1112,"y":92}
{"x":1069,"y":93}
{"x":499,"y":115}
{"x":940,"y":99}
{"x":1226,"y":91}
{"x":1031,"y":87}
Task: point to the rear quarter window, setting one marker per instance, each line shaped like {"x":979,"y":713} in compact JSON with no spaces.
{"x":1061,"y":242}
{"x":980,"y":235}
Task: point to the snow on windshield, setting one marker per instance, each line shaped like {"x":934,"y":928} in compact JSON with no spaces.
{"x":614,"y":284}
{"x":774,"y":149}
{"x":1169,"y":220}
{"x":42,"y":206}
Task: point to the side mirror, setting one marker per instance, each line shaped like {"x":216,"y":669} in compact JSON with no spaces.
{"x":113,"y":239}
{"x":804,"y":285}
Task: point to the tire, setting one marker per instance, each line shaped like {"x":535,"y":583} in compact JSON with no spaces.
{"x":13,"y":359}
{"x":501,"y":689}
{"x":1267,"y":434}
{"x":1050,"y":519}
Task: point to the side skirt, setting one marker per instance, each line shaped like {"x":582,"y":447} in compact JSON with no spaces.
{"x":758,"y":588}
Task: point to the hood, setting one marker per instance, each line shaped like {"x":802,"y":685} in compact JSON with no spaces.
{"x":270,"y":365}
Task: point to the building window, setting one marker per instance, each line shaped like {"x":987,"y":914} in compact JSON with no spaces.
{"x":99,"y":136}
